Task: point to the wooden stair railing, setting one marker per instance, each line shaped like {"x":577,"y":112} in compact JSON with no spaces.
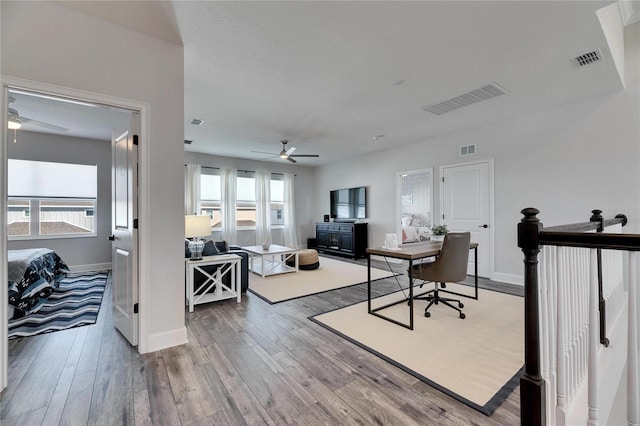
{"x":532,"y":235}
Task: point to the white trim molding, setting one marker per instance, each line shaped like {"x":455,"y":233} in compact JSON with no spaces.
{"x":142,"y":109}
{"x":167,"y":339}
{"x":90,"y":267}
{"x":508,"y":278}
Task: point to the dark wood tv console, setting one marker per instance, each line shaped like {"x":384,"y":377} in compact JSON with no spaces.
{"x":343,"y":238}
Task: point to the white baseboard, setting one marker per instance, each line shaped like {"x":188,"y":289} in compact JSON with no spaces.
{"x":90,"y":267}
{"x":508,"y":278}
{"x":167,"y":339}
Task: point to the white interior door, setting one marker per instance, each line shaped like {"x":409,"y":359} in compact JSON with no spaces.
{"x":124,"y":231}
{"x":466,"y":206}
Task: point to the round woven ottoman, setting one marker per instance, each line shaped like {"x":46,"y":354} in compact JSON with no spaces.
{"x":307,"y":260}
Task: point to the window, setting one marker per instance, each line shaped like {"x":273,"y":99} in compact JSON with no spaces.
{"x":49,"y":200}
{"x":211,"y":199}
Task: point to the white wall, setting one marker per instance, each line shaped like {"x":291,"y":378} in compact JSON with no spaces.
{"x":48,"y":43}
{"x":304,"y":187}
{"x":565,"y":162}
{"x":78,"y":253}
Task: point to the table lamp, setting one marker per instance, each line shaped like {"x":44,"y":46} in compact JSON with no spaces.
{"x":194,"y":228}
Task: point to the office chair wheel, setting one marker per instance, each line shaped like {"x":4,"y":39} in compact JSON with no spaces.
{"x":427,"y":314}
{"x":462,"y":316}
{"x":460,"y":305}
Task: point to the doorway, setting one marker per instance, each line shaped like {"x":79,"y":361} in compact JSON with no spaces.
{"x":415,"y":205}
{"x":13,"y":88}
{"x":466,"y":200}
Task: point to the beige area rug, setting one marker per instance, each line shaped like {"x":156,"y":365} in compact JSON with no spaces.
{"x":477,"y":360}
{"x":331,"y":274}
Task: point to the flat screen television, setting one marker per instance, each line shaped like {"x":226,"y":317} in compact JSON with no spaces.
{"x":349,"y":203}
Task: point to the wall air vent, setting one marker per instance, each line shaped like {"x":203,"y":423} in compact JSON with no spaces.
{"x":588,"y":58}
{"x":187,"y":142}
{"x":468,"y":150}
{"x":482,"y":94}
{"x":196,"y":121}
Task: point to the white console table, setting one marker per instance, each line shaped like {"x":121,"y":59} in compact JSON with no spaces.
{"x":228,"y":264}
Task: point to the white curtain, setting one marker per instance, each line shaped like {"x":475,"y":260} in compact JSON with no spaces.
{"x":228,"y":190}
{"x":263,"y":208}
{"x":290,"y":238}
{"x":192,"y":189}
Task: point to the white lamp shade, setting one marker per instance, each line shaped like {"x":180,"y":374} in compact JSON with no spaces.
{"x":197,"y":226}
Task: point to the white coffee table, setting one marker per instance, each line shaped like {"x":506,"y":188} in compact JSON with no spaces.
{"x":272,"y":261}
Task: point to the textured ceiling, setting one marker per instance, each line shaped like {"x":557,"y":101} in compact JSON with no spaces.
{"x":329,"y":76}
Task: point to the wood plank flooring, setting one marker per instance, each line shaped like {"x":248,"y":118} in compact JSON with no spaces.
{"x":250,"y":363}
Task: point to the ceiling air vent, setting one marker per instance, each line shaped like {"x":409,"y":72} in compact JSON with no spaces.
{"x":588,"y":58}
{"x":482,"y":94}
{"x":196,"y":121}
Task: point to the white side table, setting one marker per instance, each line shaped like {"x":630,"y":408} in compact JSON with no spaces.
{"x":229,"y":264}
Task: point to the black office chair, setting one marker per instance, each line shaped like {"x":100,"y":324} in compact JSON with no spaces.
{"x":450,"y":266}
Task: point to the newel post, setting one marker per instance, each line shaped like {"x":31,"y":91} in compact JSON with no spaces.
{"x":532,"y":386}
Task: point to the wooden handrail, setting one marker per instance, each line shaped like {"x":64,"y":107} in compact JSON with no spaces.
{"x":532,"y":235}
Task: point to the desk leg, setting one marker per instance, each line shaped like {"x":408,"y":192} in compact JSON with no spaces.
{"x":475,"y":254}
{"x":369,"y":282}
{"x":410,"y":294}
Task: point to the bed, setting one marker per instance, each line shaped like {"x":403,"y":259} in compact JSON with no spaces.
{"x":414,"y":228}
{"x":33,"y":274}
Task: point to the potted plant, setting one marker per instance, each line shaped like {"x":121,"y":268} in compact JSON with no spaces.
{"x":438,"y":232}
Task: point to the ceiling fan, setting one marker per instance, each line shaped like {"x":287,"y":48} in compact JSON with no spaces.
{"x":15,"y":120}
{"x":286,"y":154}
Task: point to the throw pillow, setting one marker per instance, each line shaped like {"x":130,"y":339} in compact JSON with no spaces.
{"x":222,"y":246}
{"x":209,"y":249}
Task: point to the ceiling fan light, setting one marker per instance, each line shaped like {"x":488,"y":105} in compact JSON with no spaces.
{"x":283,"y":155}
{"x":14,"y":123}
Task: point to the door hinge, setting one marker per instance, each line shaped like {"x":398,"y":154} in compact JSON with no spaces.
{"x":443,"y":216}
{"x":135,"y":223}
{"x":442,"y":178}
{"x":135,"y":139}
{"x":135,"y":308}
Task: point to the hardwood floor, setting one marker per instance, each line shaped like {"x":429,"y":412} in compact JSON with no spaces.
{"x":247,"y":363}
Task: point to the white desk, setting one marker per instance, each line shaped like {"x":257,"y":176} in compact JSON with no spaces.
{"x":229,"y":264}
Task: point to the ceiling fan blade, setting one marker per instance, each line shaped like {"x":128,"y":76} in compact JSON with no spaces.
{"x":305,"y":155}
{"x":269,"y":153}
{"x":290,"y":150}
{"x":291,"y":159}
{"x":43,"y":124}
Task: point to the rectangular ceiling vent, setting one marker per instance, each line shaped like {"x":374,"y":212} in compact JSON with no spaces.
{"x":588,"y":58}
{"x":196,"y":121}
{"x":482,"y":94}
{"x":468,"y":150}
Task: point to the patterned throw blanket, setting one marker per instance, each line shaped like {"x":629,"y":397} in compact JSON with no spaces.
{"x":33,"y":274}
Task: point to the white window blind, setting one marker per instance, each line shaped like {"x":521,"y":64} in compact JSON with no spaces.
{"x":41,"y":179}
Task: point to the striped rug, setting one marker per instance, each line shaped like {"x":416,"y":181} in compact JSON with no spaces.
{"x":76,"y":302}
